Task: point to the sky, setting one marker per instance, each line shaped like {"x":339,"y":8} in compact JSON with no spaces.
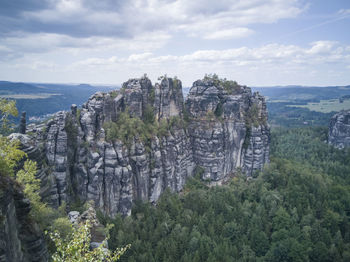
{"x":255,"y":42}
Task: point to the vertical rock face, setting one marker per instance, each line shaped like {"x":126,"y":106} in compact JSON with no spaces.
{"x":339,"y":130}
{"x":229,"y":128}
{"x":137,"y":95}
{"x":218,"y":129}
{"x":168,"y":98}
{"x":56,"y":155}
{"x":20,"y":238}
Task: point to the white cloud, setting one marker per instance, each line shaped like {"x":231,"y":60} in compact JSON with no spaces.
{"x":320,"y":47}
{"x":129,"y":18}
{"x":344,"y":11}
{"x":269,"y":62}
{"x":138,"y":57}
{"x":95,"y":62}
{"x":69,"y":6}
{"x":239,"y":32}
{"x":115,"y":28}
{"x":98,"y":41}
{"x":319,"y":52}
{"x":23,"y":44}
{"x":4,"y":49}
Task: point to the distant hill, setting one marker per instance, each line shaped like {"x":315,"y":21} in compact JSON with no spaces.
{"x":40,"y":99}
{"x":294,"y":106}
{"x":303,"y":93}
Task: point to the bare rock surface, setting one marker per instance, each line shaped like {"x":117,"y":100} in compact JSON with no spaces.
{"x":221,"y":131}
{"x":339,"y":130}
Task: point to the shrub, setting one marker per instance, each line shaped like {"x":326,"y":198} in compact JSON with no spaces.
{"x":219,"y":110}
{"x":76,"y":247}
{"x":7,"y":108}
{"x":113,"y":93}
{"x":128,"y":127}
{"x":148,"y":115}
{"x":231,"y":87}
{"x":10,"y":155}
{"x":252,"y":116}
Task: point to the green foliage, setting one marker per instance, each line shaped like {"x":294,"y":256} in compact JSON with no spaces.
{"x":10,"y":155}
{"x":76,"y":247}
{"x":196,"y":181}
{"x":175,"y":122}
{"x":252,"y":116}
{"x":152,"y":96}
{"x":219,"y":110}
{"x":71,"y":244}
{"x":7,"y":108}
{"x":26,"y":177}
{"x":127,"y":127}
{"x":114,"y":93}
{"x":176,"y":82}
{"x":231,"y":87}
{"x":63,"y":226}
{"x":78,"y":114}
{"x":280,"y":114}
{"x":307,"y":145}
{"x":212,"y":77}
{"x":186,"y":116}
{"x":295,"y":210}
{"x":44,"y":215}
{"x":148,"y":115}
{"x":163,"y":127}
{"x":247,"y":137}
{"x":79,"y":206}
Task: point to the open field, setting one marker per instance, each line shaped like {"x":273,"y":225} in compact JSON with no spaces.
{"x":326,"y":106}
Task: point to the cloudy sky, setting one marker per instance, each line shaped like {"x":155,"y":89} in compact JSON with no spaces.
{"x":256,"y":42}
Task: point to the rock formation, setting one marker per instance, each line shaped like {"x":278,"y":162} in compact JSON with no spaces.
{"x":339,"y":130}
{"x":22,"y":124}
{"x":240,"y":139}
{"x":97,"y":229}
{"x":221,"y":128}
{"x":20,"y":237}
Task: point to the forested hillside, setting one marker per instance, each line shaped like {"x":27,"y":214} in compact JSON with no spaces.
{"x":297,"y":209}
{"x":297,"y":106}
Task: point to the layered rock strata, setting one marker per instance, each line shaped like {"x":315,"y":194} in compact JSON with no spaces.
{"x":219,"y":128}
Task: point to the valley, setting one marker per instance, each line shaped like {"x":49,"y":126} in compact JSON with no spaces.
{"x":174,"y":131}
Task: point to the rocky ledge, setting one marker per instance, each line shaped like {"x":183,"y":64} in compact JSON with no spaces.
{"x":133,"y":143}
{"x":339,"y":130}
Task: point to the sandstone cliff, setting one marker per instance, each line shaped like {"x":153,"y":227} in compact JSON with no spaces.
{"x":339,"y":130}
{"x":20,"y":237}
{"x":104,"y":152}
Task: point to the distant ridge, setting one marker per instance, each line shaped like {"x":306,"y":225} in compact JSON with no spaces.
{"x":42,"y":99}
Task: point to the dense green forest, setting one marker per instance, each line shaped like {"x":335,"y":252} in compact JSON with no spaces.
{"x":281,"y":114}
{"x":296,"y":209}
{"x":288,"y":105}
